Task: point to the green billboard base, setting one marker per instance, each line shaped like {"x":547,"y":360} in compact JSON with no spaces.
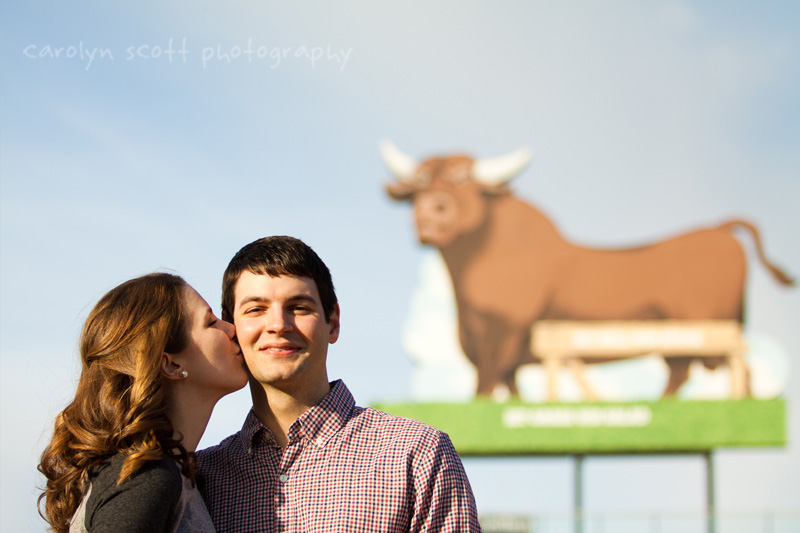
{"x":483,"y":427}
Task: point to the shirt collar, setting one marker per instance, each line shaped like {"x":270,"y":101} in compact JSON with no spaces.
{"x":251,"y":427}
{"x":318,"y":424}
{"x":322,"y":421}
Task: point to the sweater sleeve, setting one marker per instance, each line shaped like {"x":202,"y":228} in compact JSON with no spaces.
{"x":144,"y":503}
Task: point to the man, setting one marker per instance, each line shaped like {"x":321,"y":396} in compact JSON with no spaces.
{"x":307,"y":459}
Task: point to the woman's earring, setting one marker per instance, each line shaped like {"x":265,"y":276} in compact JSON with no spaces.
{"x":184,"y":374}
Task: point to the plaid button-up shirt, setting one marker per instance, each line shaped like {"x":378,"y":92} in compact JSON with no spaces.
{"x":345,"y":469}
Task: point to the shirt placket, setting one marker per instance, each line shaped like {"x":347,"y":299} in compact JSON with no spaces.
{"x":286,"y":503}
{"x":264,"y":454}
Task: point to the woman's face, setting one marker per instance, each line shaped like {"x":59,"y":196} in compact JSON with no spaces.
{"x":212,"y":357}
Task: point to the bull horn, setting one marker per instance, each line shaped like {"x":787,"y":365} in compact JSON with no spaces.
{"x":498,"y":170}
{"x":401,"y":165}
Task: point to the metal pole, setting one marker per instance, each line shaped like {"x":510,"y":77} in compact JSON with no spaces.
{"x":768,"y":522}
{"x":655,"y":523}
{"x":710,"y":509}
{"x":578,"y":493}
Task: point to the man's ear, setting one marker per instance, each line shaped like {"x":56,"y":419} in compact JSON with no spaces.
{"x":170,"y":368}
{"x":333,"y":324}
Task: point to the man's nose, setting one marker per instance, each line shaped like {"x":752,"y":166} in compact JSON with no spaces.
{"x":279,"y":320}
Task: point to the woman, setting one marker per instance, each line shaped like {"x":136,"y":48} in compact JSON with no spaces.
{"x":155,"y":361}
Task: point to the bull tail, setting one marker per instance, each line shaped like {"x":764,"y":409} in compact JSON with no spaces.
{"x":781,"y":276}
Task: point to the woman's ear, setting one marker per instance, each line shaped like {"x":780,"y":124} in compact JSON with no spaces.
{"x":171,"y":369}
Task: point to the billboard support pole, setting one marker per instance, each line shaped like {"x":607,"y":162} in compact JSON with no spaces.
{"x":578,"y":488}
{"x":710,"y":507}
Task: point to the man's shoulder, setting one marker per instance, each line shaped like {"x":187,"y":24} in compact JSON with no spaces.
{"x":387,"y":420}
{"x":227,"y":447}
{"x":394,"y":428}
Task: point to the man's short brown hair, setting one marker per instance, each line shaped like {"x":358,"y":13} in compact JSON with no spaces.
{"x":278,"y":256}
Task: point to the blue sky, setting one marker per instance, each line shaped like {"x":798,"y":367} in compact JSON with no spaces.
{"x":646,"y":119}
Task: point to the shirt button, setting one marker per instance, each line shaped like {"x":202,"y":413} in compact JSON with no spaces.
{"x":284,"y":478}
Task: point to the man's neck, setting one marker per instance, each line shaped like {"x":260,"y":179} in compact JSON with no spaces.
{"x":278,"y":408}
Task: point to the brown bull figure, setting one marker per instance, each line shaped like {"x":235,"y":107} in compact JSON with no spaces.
{"x":511,"y":267}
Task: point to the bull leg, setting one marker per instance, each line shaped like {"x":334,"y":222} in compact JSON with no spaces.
{"x":489,"y":373}
{"x":492,"y":373}
{"x":487,"y":381}
{"x":498,"y":354}
{"x":523,"y":356}
{"x":516,"y":343}
{"x":678,"y":374}
{"x":472,"y":335}
{"x":511,"y":383}
{"x":495,"y":347}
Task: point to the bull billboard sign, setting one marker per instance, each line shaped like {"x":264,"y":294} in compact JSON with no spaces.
{"x":525,"y":296}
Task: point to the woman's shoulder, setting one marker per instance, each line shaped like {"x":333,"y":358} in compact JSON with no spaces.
{"x":152,"y":492}
{"x":152,"y":474}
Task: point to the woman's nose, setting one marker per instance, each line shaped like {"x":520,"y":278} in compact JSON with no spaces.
{"x":228,"y":328}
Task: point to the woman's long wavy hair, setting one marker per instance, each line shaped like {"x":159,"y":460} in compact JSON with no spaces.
{"x":119,"y":405}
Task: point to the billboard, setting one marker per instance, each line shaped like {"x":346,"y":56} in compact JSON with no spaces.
{"x":525,"y":296}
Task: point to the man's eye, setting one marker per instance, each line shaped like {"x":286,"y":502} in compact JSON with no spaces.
{"x":210,"y":324}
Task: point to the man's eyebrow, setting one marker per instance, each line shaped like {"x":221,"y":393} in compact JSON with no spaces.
{"x":249,"y":299}
{"x":302,"y":298}
{"x":260,"y":299}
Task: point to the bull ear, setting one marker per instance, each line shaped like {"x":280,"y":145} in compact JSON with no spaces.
{"x":401,"y":165}
{"x":400,"y":190}
{"x":499,"y":170}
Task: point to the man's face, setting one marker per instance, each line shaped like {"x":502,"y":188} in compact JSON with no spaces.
{"x":282,"y":330}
